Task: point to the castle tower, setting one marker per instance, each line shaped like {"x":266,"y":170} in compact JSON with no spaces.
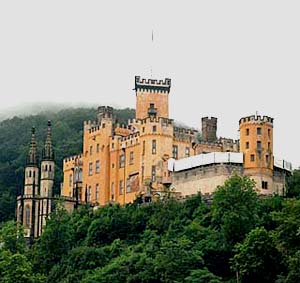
{"x":152,"y":97}
{"x":209,"y":129}
{"x":256,"y":142}
{"x":26,"y":203}
{"x":105,"y":112}
{"x":47,"y":166}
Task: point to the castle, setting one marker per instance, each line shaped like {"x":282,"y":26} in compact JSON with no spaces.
{"x":150,"y":157}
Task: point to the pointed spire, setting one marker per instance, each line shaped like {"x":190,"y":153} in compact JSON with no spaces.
{"x":48,"y":152}
{"x":32,"y":157}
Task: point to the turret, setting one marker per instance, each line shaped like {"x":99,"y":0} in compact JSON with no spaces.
{"x":47,"y":166}
{"x":152,"y":98}
{"x":104,"y":113}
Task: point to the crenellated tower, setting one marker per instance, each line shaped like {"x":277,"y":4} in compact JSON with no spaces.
{"x":256,"y":142}
{"x":209,"y":129}
{"x":152,"y":97}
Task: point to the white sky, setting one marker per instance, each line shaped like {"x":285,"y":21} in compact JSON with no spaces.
{"x":226,"y":58}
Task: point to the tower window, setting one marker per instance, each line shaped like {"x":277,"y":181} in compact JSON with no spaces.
{"x":143,"y":129}
{"x":269,"y":146}
{"x":50,"y":168}
{"x":128,"y":187}
{"x":153,"y":173}
{"x":122,"y":161}
{"x":121,"y":187}
{"x":151,"y":105}
{"x":97,"y":192}
{"x":247,"y":132}
{"x":112,"y":191}
{"x":89,"y":193}
{"x":144,"y":147}
{"x":90,"y":168}
{"x":153,"y":146}
{"x":252,"y":157}
{"x":258,"y":131}
{"x":267,"y":158}
{"x":97,"y":166}
{"x":131,"y":158}
{"x":258,"y":145}
{"x":175,"y":151}
{"x":91,"y":150}
{"x":27,"y":216}
{"x":247,"y":145}
{"x":269,"y":133}
{"x":30,"y":174}
{"x":264,"y":185}
{"x":98,"y":147}
{"x":112,"y":145}
{"x":70,"y":180}
{"x":154,"y":129}
{"x":46,"y":167}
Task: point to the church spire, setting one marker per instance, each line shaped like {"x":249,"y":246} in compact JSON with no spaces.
{"x":48,"y":152}
{"x":32,"y":157}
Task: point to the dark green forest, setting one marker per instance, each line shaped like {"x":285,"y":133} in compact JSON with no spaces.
{"x":15,"y":135}
{"x":239,"y":237}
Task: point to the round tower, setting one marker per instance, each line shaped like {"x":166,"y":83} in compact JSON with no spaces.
{"x":47,"y":166}
{"x":256,"y":142}
{"x":152,"y":97}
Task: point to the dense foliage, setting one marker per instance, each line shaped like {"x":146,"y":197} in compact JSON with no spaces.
{"x":14,"y":142}
{"x":239,"y":237}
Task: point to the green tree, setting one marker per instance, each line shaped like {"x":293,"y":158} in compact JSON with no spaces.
{"x":293,"y":184}
{"x":257,"y":259}
{"x":202,"y":276}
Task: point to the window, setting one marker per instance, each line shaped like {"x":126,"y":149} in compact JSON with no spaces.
{"x":153,"y":146}
{"x":98,"y":147}
{"x":247,"y":145}
{"x":153,"y":173}
{"x":131,"y":160}
{"x":247,"y":132}
{"x":252,"y":157}
{"x":97,"y":192}
{"x":112,"y":191}
{"x":70,"y":180}
{"x":187,"y":152}
{"x":122,"y":160}
{"x":144,"y":147}
{"x":50,"y":168}
{"x":46,"y":167}
{"x":258,"y":130}
{"x":112,"y":145}
{"x":152,"y":105}
{"x":269,"y":146}
{"x":89,"y":193}
{"x":128,"y":188}
{"x":97,"y":166}
{"x":267,"y":158}
{"x":154,"y":129}
{"x":175,"y":151}
{"x":30,"y":174}
{"x":90,"y":168}
{"x":143,"y":129}
{"x":91,"y":150}
{"x":121,"y":187}
{"x":27,"y":215}
{"x":264,"y":185}
{"x":269,"y":133}
{"x":258,"y":145}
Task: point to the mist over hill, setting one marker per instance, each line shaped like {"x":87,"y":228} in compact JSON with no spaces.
{"x":15,"y":134}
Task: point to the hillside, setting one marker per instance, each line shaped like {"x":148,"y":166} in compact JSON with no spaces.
{"x":15,"y":138}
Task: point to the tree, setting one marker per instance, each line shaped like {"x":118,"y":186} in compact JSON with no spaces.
{"x":234,"y":208}
{"x":293,"y":184}
{"x":256,"y":259}
{"x":202,"y":276}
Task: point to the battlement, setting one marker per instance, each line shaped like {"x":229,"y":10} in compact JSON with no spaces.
{"x":160,"y":120}
{"x":152,"y":85}
{"x":72,"y":158}
{"x":256,"y":119}
{"x":186,"y":131}
{"x":209,"y":119}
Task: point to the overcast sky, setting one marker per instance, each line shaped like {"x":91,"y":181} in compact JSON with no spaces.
{"x":226,"y":59}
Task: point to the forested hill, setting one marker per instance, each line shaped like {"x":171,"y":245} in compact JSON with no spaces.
{"x":15,"y":135}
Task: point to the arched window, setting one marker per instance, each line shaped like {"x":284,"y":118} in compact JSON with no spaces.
{"x":33,"y":174}
{"x":27,"y":215}
{"x":30,"y":174}
{"x":50,"y":168}
{"x":46,"y":167}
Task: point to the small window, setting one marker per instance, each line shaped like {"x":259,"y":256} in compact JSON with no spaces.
{"x":131,"y":160}
{"x":269,"y":146}
{"x":247,"y":145}
{"x":27,"y":216}
{"x":90,"y":168}
{"x":175,"y":151}
{"x":269,"y":133}
{"x":30,"y":174}
{"x":112,"y":191}
{"x":128,"y":187}
{"x":258,"y":131}
{"x":70,"y":180}
{"x":91,"y":150}
{"x":267,"y":158}
{"x":154,"y":129}
{"x":187,"y":152}
{"x":264,"y":185}
{"x":247,"y":132}
{"x":143,"y":129}
{"x":258,"y":145}
{"x":46,"y":167}
{"x":252,"y":157}
{"x":121,"y":187}
{"x":112,"y":145}
{"x":153,"y":146}
{"x":97,"y":192}
{"x":97,"y":166}
{"x":113,"y":165}
{"x":122,"y":161}
{"x":153,"y":174}
{"x":152,"y":105}
{"x":144,"y":147}
{"x":50,"y":168}
{"x":98,"y":147}
{"x":89,"y":194}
